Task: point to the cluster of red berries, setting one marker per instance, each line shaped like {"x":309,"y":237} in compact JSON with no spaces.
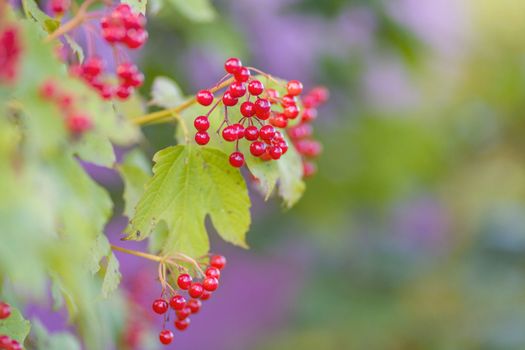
{"x":59,"y":7}
{"x":10,"y":51}
{"x":258,"y":121}
{"x":301,"y":134}
{"x":6,"y":343}
{"x":76,"y":122}
{"x":91,"y":71}
{"x":197,"y":292}
{"x":124,"y":26}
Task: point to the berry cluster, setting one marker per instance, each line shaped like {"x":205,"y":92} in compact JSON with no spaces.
{"x":6,"y":343}
{"x":261,"y":112}
{"x":124,"y":27}
{"x":197,"y":292}
{"x":10,"y":50}
{"x":76,"y":122}
{"x":59,"y":7}
{"x":301,"y":134}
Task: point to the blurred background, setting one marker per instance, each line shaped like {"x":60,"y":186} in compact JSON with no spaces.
{"x":412,"y":234}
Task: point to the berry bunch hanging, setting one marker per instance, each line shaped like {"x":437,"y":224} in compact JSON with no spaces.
{"x":6,"y":343}
{"x":10,"y":52}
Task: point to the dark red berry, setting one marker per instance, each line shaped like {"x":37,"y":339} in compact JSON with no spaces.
{"x":229,"y":133}
{"x":294,"y":87}
{"x":237,"y":159}
{"x":278,"y":120}
{"x":218,"y":261}
{"x":195,"y":290}
{"x":228,"y":99}
{"x":232,"y":65}
{"x":135,"y":80}
{"x":124,"y":91}
{"x":126,"y":70}
{"x":166,"y":336}
{"x":210,"y":284}
{"x":93,"y":66}
{"x":194,"y":305}
{"x":201,"y":123}
{"x":160,"y":306}
{"x":182,"y":324}
{"x":5,"y":310}
{"x":237,"y":89}
{"x":239,"y":130}
{"x":251,"y":133}
{"x":262,"y":108}
{"x":205,"y":295}
{"x":114,"y":34}
{"x":255,"y":87}
{"x":204,"y":97}
{"x":247,"y":109}
{"x":288,"y":100}
{"x":135,"y":38}
{"x":107,"y":91}
{"x":291,"y":112}
{"x":184,"y":281}
{"x":202,"y":138}
{"x":242,"y":75}
{"x":283,"y":145}
{"x":177,"y":302}
{"x":184,"y":313}
{"x":275,"y":152}
{"x":267,"y":132}
{"x":213,"y":272}
{"x":257,"y":148}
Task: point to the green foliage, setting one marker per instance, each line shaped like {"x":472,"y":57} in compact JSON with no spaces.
{"x":195,"y":10}
{"x":32,"y":11}
{"x":112,"y":276}
{"x":135,"y":171}
{"x":56,"y":341}
{"x":188,"y":184}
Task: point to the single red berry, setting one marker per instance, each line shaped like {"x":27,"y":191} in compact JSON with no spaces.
{"x":278,"y":120}
{"x":124,"y":91}
{"x":204,"y":97}
{"x":300,"y":131}
{"x":257,"y":148}
{"x":237,"y":159}
{"x":247,"y":109}
{"x":283,"y":145}
{"x":177,"y":302}
{"x":65,"y":101}
{"x":182,"y":324}
{"x":210,"y":284}
{"x":195,"y":290}
{"x":135,"y":38}
{"x":123,"y":9}
{"x":294,"y":87}
{"x":291,"y":112}
{"x":107,"y":91}
{"x":232,"y":65}
{"x":239,"y":130}
{"x":262,"y":108}
{"x":160,"y":306}
{"x":213,"y":272}
{"x":273,"y":95}
{"x":205,"y":295}
{"x":126,"y":70}
{"x":255,"y":87}
{"x":93,"y":66}
{"x":5,"y":310}
{"x":184,"y":313}
{"x":218,"y":261}
{"x":242,"y":75}
{"x":78,"y":123}
{"x":229,"y":100}
{"x":202,"y":138}
{"x":275,"y":152}
{"x":309,"y":169}
{"x":237,"y":89}
{"x":58,"y":7}
{"x":48,"y":90}
{"x":201,"y":123}
{"x":166,"y":336}
{"x":133,"y":21}
{"x":267,"y":132}
{"x":184,"y":281}
{"x":15,"y":345}
{"x":309,"y":114}
{"x":288,"y":100}
{"x":251,"y":133}
{"x":194,"y":305}
{"x":135,"y":80}
{"x":320,"y":93}
{"x":229,"y":133}
{"x":113,"y":34}
{"x":308,"y":148}
{"x":4,"y":341}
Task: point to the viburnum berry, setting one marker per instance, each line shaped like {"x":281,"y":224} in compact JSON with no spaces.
{"x":202,"y":138}
{"x":262,"y":108}
{"x":166,"y":336}
{"x":182,"y":324}
{"x":10,"y":51}
{"x":5,"y":310}
{"x":247,"y":109}
{"x":291,"y":112}
{"x":194,"y":305}
{"x":78,"y":123}
{"x":48,"y":90}
{"x":237,"y":159}
{"x":58,"y":7}
{"x":242,"y":75}
{"x":213,"y":272}
{"x":288,"y":100}
{"x":229,"y":133}
{"x":135,"y":38}
{"x":251,"y":133}
{"x":183,"y":313}
{"x":5,"y":341}
{"x":309,"y":169}
{"x":93,"y":66}
{"x":204,"y":97}
{"x":257,"y":148}
{"x":320,"y":93}
{"x":283,"y":146}
{"x":267,"y":132}
{"x":126,"y":70}
{"x":294,"y":87}
{"x":210,"y":284}
{"x":177,"y":302}
{"x":218,"y":261}
{"x":184,"y":281}
{"x":275,"y":152}
{"x":232,"y":65}
{"x":278,"y":120}
{"x":300,"y":131}
{"x":255,"y":87}
{"x":201,"y":123}
{"x":15,"y":345}
{"x":239,"y":130}
{"x":229,"y":100}
{"x":160,"y":306}
{"x":205,"y":295}
{"x":123,"y":92}
{"x":308,"y":115}
{"x":195,"y":290}
{"x":273,"y":95}
{"x":237,"y":89}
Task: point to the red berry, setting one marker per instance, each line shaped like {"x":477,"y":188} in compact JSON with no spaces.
{"x":309,"y":114}
{"x":247,"y":109}
{"x":291,"y":112}
{"x":182,"y":324}
{"x":201,"y":123}
{"x":184,"y":313}
{"x":204,"y":97}
{"x":48,"y":90}
{"x":288,"y":100}
{"x":205,"y":295}
{"x":308,"y":148}
{"x":294,"y":87}
{"x":239,"y":130}
{"x":251,"y":133}
{"x":273,"y":95}
{"x":135,"y":38}
{"x":177,"y":302}
{"x":65,"y":101}
{"x":166,"y":336}
{"x":278,"y":120}
{"x":202,"y":138}
{"x":58,"y":7}
{"x":194,"y":305}
{"x":210,"y":284}
{"x":93,"y":66}
{"x":257,"y":148}
{"x":135,"y":80}
{"x":267,"y":132}
{"x":229,"y":133}
{"x":195,"y":290}
{"x":114,"y":34}
{"x":78,"y":123}
{"x":242,"y":75}
{"x":5,"y":341}
{"x":232,"y":65}
{"x":126,"y":70}
{"x":107,"y":91}
{"x":262,"y":108}
{"x":218,"y":261}
{"x":237,"y":159}
{"x":275,"y":152}
{"x":237,"y":89}
{"x":300,"y":131}
{"x":160,"y":306}
{"x":124,"y":91}
{"x":255,"y":87}
{"x":5,"y":311}
{"x":320,"y":93}
{"x":228,"y":99}
{"x":184,"y":281}
{"x":123,"y":8}
{"x":283,"y":146}
{"x":15,"y":345}
{"x":213,"y":272}
{"x":309,"y":169}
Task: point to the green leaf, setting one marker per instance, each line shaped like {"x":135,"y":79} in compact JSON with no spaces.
{"x":135,"y":171}
{"x":55,"y":341}
{"x":137,"y":5}
{"x":112,"y":276}
{"x":95,"y":148}
{"x":166,"y":93}
{"x":100,"y":249}
{"x":32,"y":10}
{"x":15,"y":326}
{"x":195,"y":10}
{"x":188,"y":184}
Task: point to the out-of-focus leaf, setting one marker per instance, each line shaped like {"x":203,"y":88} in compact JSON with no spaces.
{"x":137,"y":5}
{"x":195,"y":10}
{"x":32,"y":11}
{"x":112,"y":276}
{"x":135,"y":171}
{"x":55,"y":341}
{"x":95,"y":148}
{"x":166,"y":93}
{"x":15,"y":326}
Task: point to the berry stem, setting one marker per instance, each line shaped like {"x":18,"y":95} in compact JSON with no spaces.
{"x":171,"y":112}
{"x":137,"y":253}
{"x":77,"y":20}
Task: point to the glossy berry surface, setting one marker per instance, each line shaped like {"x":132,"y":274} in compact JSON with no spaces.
{"x":202,"y":138}
{"x":201,"y":123}
{"x":5,"y":310}
{"x":257,"y":148}
{"x":237,"y":159}
{"x":166,"y":336}
{"x":218,"y":261}
{"x":194,"y":305}
{"x":204,"y":97}
{"x":210,"y":284}
{"x":177,"y":302}
{"x":160,"y":306}
{"x":184,"y":281}
{"x":182,"y":324}
{"x":255,"y":87}
{"x":294,"y":87}
{"x":195,"y":290}
{"x":232,"y":65}
{"x":213,"y":272}
{"x":184,"y":313}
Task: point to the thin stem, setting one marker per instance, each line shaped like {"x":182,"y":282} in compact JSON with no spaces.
{"x":73,"y":23}
{"x":137,"y":253}
{"x":183,"y":126}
